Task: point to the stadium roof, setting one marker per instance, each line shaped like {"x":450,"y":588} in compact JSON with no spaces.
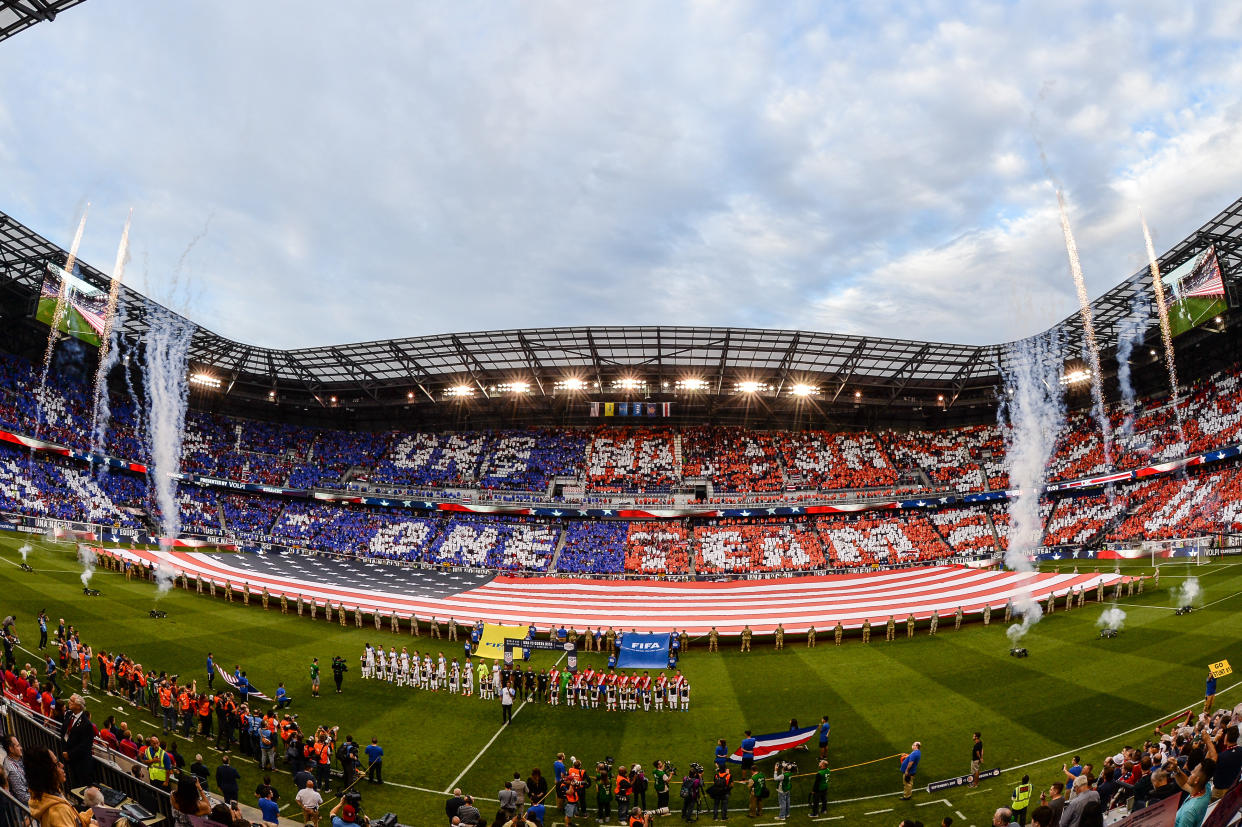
{"x":19,"y":15}
{"x":611,"y":362}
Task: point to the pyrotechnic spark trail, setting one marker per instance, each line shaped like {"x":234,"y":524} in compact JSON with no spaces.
{"x":1088,"y":328}
{"x":1166,"y":333}
{"x":107,"y":355}
{"x":58,"y":314}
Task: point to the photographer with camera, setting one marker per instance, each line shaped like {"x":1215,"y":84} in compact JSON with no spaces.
{"x":660,"y":781}
{"x":637,"y":818}
{"x":691,"y":789}
{"x":782,"y":776}
{"x":603,"y":792}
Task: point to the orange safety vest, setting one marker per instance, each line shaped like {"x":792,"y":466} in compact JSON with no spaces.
{"x":165,"y":697}
{"x":204,"y":707}
{"x":187,"y":700}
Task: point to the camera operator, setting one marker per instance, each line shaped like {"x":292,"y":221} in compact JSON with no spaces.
{"x":348,"y":811}
{"x":691,"y":787}
{"x":660,"y":781}
{"x":637,"y":818}
{"x":782,"y":776}
{"x":603,"y":792}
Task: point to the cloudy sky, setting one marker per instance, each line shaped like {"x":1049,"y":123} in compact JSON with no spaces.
{"x":318,"y":175}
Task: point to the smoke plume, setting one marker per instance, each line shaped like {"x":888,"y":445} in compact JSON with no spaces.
{"x":1112,"y":618}
{"x":1031,"y":415}
{"x":86,"y":555}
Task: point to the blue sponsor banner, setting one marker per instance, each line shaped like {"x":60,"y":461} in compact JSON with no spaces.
{"x":643,"y":651}
{"x":1066,"y":554}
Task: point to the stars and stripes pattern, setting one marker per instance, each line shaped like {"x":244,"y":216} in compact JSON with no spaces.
{"x":795,"y":603}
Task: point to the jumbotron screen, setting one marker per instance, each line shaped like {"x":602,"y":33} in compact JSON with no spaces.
{"x":1198,"y":292}
{"x":85,"y":305}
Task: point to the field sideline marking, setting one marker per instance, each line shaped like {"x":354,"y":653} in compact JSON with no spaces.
{"x":1159,"y":720}
{"x":470,"y":766}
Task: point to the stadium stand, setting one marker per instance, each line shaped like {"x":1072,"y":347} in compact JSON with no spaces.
{"x":739,"y":547}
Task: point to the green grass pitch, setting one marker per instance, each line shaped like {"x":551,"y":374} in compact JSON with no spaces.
{"x":1075,"y":693}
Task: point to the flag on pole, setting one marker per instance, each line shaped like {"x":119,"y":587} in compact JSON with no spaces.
{"x":774,"y":742}
{"x":594,"y":409}
{"x":608,"y":408}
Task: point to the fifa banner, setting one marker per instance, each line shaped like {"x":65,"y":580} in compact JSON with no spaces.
{"x":768,"y":745}
{"x":492,"y":643}
{"x":646,"y":651}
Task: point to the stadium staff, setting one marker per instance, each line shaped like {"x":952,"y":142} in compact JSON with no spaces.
{"x":1021,"y":798}
{"x":910,"y":768}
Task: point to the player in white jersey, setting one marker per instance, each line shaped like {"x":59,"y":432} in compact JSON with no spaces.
{"x":368,"y":662}
{"x":391,"y":674}
{"x":381,"y":664}
{"x":403,"y":676}
{"x":467,"y":678}
{"x":610,"y":694}
{"x":428,"y":673}
{"x":442,"y":672}
{"x":685,"y":695}
{"x":661,"y":686}
{"x":455,"y":677}
{"x":644,"y":689}
{"x":674,"y":698}
{"x":496,"y":686}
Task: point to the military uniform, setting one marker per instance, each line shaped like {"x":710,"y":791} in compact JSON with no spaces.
{"x":837,"y":632}
{"x":957,"y":619}
{"x":935,"y":623}
{"x":890,"y":631}
{"x":452,"y":629}
{"x":867,"y":631}
{"x":987,"y":614}
{"x":810,"y":638}
{"x":745,"y":639}
{"x":1008,"y":610}
{"x":435,"y":627}
{"x":910,"y":626}
{"x":713,"y":640}
{"x":780,"y":636}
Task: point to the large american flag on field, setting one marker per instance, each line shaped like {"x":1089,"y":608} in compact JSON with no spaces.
{"x":796,"y":603}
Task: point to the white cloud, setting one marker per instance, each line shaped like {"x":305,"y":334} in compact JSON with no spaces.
{"x":418,"y":169}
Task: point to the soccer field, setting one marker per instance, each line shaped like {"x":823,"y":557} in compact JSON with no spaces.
{"x":1075,"y":693}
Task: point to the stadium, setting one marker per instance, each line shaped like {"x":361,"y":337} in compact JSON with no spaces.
{"x":857,"y":547}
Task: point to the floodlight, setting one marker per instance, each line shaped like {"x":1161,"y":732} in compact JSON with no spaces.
{"x":629,"y":383}
{"x":206,"y":380}
{"x":801,"y":389}
{"x":1076,"y":377}
{"x":514,"y":387}
{"x":857,"y":394}
{"x":749,"y":386}
{"x":691,"y":384}
{"x":460,"y":391}
{"x":571,"y":383}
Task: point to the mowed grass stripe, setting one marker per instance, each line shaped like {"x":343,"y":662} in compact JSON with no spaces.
{"x":879,"y":699}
